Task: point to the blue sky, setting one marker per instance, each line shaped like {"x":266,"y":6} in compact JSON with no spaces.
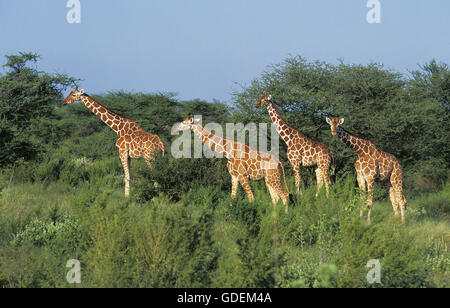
{"x":202,"y":48}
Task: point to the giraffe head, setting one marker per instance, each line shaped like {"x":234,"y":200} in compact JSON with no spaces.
{"x":264,"y":100}
{"x":73,"y":96}
{"x":334,"y":122}
{"x":186,"y":124}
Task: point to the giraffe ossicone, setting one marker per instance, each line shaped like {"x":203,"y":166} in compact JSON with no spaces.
{"x":132,"y":142}
{"x":301,"y":151}
{"x":372,"y":164}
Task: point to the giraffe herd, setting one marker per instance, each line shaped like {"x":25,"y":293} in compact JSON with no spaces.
{"x":245,"y":164}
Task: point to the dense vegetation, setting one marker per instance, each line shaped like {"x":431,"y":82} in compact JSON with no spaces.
{"x":61,"y":186}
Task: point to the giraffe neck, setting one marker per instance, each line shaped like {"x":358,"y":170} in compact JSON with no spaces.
{"x":112,"y":119}
{"x":354,"y":142}
{"x":283,"y":129}
{"x":214,"y":142}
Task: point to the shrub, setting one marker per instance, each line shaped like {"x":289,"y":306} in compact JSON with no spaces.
{"x":60,"y":236}
{"x":174,"y":177}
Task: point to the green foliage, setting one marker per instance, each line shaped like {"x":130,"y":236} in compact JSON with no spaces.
{"x":51,"y":234}
{"x":27,"y":96}
{"x":61,"y":187}
{"x":175,"y":177}
{"x":208,"y":240}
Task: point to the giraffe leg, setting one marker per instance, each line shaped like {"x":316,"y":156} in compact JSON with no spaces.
{"x":393,"y":199}
{"x":297,"y":176}
{"x":362,"y":187}
{"x":370,"y":184}
{"x":248,"y":190}
{"x":275,"y":186}
{"x":326,"y":179}
{"x":273,"y":194}
{"x":125,"y":159}
{"x":276,"y":190}
{"x":319,"y":180}
{"x":234,"y":180}
{"x":397,"y":192}
{"x":234,"y":186}
{"x":284,"y":195}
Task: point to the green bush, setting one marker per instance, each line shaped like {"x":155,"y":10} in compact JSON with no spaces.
{"x":174,"y":177}
{"x":206,"y":239}
{"x":59,"y":236}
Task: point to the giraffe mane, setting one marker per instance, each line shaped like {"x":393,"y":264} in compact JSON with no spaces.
{"x":357,"y":136}
{"x":112,"y":112}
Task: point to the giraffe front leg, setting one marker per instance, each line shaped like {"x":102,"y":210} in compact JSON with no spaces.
{"x":234,"y":180}
{"x":402,"y":203}
{"x":275,"y":186}
{"x":362,"y":187}
{"x":281,"y":193}
{"x":319,"y":180}
{"x":248,"y":190}
{"x":234,"y":186}
{"x":273,"y":194}
{"x":125,"y":159}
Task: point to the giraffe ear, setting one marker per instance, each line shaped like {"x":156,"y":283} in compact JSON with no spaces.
{"x":269,"y":97}
{"x":328,"y":120}
{"x":341,"y":121}
{"x":82,"y":91}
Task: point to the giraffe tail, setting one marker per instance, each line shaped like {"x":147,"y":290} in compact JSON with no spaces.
{"x":162,"y":147}
{"x":284,"y":177}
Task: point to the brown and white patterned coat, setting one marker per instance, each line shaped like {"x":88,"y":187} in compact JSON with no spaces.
{"x":300,"y":149}
{"x":133,"y":142}
{"x":372,"y":164}
{"x":244,"y":163}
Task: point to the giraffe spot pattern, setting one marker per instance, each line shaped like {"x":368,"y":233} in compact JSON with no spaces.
{"x":245,"y":163}
{"x":132,"y":142}
{"x":301,"y":151}
{"x":373,"y":164}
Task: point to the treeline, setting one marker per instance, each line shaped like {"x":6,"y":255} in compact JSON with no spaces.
{"x":404,"y":114}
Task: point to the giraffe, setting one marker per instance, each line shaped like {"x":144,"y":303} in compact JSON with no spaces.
{"x":372,"y":164}
{"x":132,"y":142}
{"x":300,"y":149}
{"x":244,"y":163}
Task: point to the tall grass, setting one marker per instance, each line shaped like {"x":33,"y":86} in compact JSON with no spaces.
{"x":203,"y":238}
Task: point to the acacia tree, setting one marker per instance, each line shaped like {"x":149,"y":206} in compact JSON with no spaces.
{"x":27,"y":99}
